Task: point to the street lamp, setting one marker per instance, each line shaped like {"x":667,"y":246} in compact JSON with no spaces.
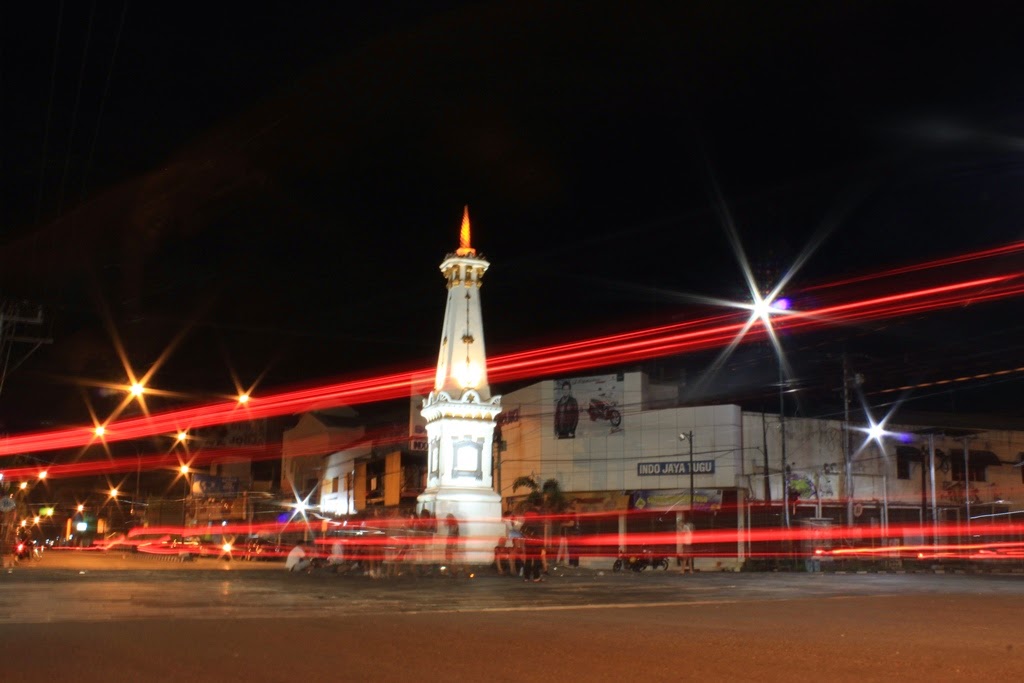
{"x":688,"y":436}
{"x":188,"y":492}
{"x":877,"y":433}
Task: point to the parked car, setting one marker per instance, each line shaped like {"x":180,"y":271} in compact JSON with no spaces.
{"x":190,"y":546}
{"x":257,"y":548}
{"x":115,"y":541}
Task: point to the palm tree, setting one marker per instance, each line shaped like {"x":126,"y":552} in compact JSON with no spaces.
{"x":548,"y":497}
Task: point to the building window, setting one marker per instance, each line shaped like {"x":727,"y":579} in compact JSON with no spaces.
{"x":435,"y":458}
{"x":902,"y":467}
{"x":977,"y":462}
{"x":976,"y":470}
{"x":905,"y":455}
{"x":335,"y":483}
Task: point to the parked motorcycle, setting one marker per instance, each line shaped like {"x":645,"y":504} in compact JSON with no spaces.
{"x":601,"y":410}
{"x":28,"y":550}
{"x":640,"y":561}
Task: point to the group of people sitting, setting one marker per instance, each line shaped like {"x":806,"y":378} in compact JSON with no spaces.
{"x":524,"y":553}
{"x":382,"y":546}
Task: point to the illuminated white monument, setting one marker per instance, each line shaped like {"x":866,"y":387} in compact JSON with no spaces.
{"x":460,"y":414}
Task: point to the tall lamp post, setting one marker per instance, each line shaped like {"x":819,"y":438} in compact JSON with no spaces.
{"x":876,"y":432}
{"x":688,"y":436}
{"x":188,"y":494}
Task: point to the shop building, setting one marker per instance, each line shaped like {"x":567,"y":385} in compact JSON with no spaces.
{"x":621,"y":455}
{"x":632,"y":469}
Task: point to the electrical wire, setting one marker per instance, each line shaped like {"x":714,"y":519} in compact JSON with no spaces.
{"x":74,"y":109}
{"x":103,"y":101}
{"x":49,"y":113}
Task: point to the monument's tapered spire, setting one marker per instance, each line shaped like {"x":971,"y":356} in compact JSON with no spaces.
{"x":462,"y":359}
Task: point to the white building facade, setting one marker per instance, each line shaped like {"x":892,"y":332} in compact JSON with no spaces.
{"x":616,"y":453}
{"x":620,"y":460}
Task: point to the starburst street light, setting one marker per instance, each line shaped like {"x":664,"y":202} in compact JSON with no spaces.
{"x":243,"y":398}
{"x":876,"y":431}
{"x":137,"y":389}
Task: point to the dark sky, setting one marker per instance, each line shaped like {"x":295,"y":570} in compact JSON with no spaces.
{"x":275,"y":187}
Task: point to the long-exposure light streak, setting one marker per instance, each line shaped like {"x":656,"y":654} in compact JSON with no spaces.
{"x":1005,"y":250}
{"x":706,"y":333}
{"x":987,"y":542}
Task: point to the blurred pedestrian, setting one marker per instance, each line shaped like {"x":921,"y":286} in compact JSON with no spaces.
{"x":298,"y":560}
{"x":503,"y":556}
{"x":451,"y":546}
{"x":562,"y":554}
{"x":9,"y":537}
{"x":686,"y":541}
{"x":533,"y":541}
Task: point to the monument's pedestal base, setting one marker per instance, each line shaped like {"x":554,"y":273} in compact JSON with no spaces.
{"x":478,"y":512}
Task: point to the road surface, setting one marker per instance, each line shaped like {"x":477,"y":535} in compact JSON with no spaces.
{"x":81,"y":618}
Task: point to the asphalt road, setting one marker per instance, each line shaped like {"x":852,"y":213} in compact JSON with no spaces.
{"x":94,"y":618}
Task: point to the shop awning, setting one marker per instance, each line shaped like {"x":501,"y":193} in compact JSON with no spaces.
{"x":910,"y":454}
{"x":980,"y":458}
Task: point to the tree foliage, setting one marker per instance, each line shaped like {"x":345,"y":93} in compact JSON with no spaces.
{"x":546,"y":496}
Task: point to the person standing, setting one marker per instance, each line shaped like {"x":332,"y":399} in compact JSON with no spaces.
{"x":533,"y":540}
{"x":451,"y":549}
{"x":686,"y":540}
{"x":562,"y":554}
{"x":9,"y":536}
{"x":573,"y":538}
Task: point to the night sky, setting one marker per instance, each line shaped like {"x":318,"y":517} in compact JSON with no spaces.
{"x":271,"y":190}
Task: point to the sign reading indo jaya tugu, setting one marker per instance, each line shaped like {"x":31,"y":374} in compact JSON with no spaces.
{"x":647,"y":469}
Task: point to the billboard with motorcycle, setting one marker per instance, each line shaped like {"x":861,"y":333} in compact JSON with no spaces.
{"x":588,"y":406}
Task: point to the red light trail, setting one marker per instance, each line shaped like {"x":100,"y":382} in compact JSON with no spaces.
{"x":690,"y":336}
{"x":988,"y":541}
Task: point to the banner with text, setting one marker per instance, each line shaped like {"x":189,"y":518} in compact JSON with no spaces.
{"x":677,"y":499}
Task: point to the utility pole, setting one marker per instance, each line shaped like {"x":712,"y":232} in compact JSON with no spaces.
{"x":691,"y":473}
{"x":764,"y":451}
{"x":848,"y":464}
{"x":931,"y":477}
{"x":782,"y":450}
{"x":11,"y":316}
{"x":967,"y":487}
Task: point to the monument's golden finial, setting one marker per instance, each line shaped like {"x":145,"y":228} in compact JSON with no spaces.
{"x":464,"y":247}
